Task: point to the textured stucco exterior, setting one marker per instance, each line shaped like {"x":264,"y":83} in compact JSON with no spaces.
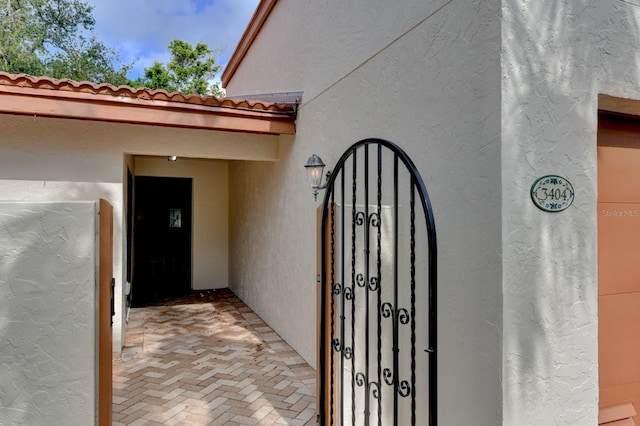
{"x":48,"y":313}
{"x":425,"y":75}
{"x":45,"y":159}
{"x":556,"y":58}
{"x":45,"y":190}
{"x":486,"y":98}
{"x":210,"y":239}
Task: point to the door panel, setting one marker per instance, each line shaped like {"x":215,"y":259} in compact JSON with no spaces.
{"x":618,"y":240}
{"x":105,"y":348}
{"x":618,"y":172}
{"x":162,"y":239}
{"x":324,"y":321}
{"x":619,"y":261}
{"x":620,"y":321}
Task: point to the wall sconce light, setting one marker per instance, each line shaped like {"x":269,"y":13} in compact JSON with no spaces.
{"x":172,"y":158}
{"x":315,"y":167}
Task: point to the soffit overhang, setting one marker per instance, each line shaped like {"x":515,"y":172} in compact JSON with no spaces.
{"x":47,"y":97}
{"x":618,"y":106}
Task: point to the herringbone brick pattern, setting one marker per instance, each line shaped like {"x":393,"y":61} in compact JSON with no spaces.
{"x":209,"y":363}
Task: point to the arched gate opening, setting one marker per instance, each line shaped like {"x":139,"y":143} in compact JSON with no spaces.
{"x":378,"y":304}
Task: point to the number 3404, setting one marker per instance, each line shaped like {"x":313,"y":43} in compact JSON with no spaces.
{"x":553,"y":194}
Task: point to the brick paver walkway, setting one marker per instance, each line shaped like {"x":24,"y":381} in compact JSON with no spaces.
{"x":213,"y":362}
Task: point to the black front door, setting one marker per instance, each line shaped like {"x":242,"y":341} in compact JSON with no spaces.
{"x":162,"y":239}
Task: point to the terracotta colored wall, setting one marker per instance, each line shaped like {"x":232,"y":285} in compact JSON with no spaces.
{"x":619,"y":261}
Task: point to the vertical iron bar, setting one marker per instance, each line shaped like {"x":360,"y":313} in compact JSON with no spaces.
{"x":353,"y":296}
{"x":367,"y":279}
{"x":379,"y":280}
{"x":333,"y":305}
{"x":413,"y":301}
{"x":395,"y":290}
{"x":323,"y":329}
{"x":433,"y":319}
{"x":342,"y":307}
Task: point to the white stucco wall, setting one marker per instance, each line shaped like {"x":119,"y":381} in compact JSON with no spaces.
{"x":45,"y":190}
{"x":48,"y":313}
{"x":425,"y":75}
{"x":556,"y":58}
{"x":210,"y":245}
{"x":56,"y":159}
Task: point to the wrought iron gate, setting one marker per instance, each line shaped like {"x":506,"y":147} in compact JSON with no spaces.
{"x":377,"y":361}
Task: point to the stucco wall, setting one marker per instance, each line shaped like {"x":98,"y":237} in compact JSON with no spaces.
{"x":45,"y":190}
{"x":55,"y":159}
{"x":556,"y":58}
{"x":425,"y":75}
{"x":47,"y":313}
{"x":210,"y":246}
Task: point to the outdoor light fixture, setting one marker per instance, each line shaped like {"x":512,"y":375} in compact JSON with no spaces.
{"x":315,"y":167}
{"x":172,"y":158}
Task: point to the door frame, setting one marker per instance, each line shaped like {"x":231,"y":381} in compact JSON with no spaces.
{"x":136,"y":234}
{"x":106,"y":306}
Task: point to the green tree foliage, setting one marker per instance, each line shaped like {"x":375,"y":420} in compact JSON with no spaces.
{"x":46,"y":37}
{"x":190,"y":70}
{"x":53,"y":38}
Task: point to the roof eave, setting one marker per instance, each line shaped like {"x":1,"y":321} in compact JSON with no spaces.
{"x":44,"y":102}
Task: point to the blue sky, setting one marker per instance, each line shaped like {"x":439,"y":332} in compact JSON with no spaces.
{"x":142,"y":29}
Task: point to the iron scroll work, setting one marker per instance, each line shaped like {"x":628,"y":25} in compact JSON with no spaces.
{"x":378,"y":328}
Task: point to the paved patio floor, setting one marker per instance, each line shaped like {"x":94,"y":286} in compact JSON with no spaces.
{"x":209,"y":360}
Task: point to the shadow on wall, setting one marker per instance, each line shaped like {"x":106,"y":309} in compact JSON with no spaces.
{"x":39,"y":190}
{"x":47,"y":315}
{"x":44,"y":190}
{"x":264,"y":184}
{"x":265,"y":208}
{"x":551,"y":69}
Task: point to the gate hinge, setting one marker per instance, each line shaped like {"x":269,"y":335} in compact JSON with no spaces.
{"x":318,"y":278}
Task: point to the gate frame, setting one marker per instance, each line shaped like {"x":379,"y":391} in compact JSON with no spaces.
{"x":416,"y":183}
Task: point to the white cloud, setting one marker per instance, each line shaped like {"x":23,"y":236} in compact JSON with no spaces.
{"x":142,"y":29}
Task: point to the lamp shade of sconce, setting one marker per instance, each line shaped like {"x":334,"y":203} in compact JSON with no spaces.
{"x":314,"y":167}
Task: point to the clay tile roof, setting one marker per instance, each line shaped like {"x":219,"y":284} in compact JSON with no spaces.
{"x":66,"y":85}
{"x":44,"y":96}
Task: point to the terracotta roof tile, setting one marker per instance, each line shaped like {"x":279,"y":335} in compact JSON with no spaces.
{"x":22,"y":94}
{"x":65,"y":85}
